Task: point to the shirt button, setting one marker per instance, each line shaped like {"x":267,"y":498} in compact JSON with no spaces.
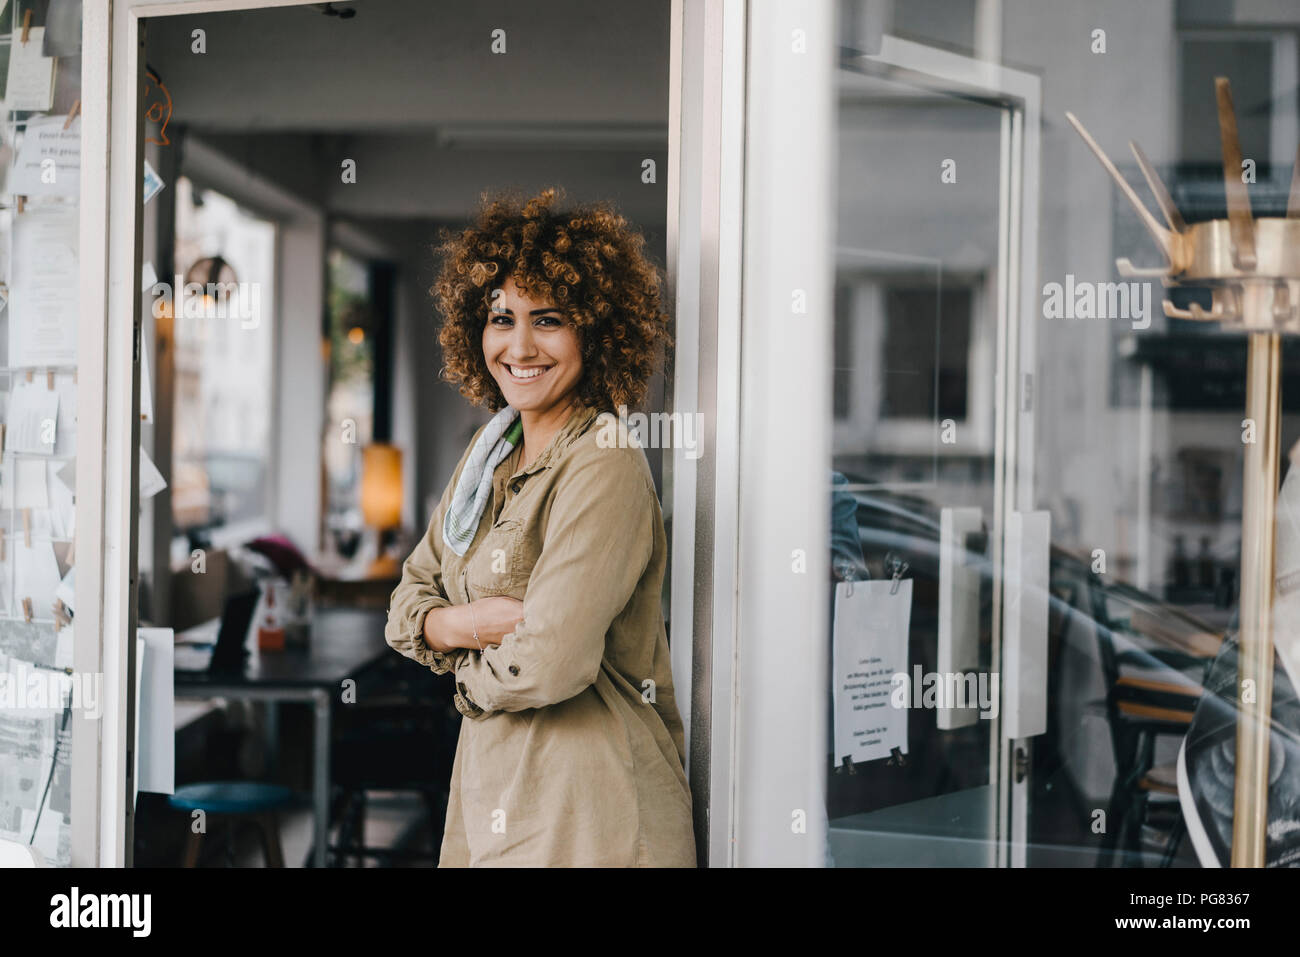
{"x":514,"y":669}
{"x":516,"y":486}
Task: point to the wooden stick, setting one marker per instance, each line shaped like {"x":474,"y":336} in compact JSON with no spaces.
{"x":1163,"y":237}
{"x":27,"y":610}
{"x":22,"y":204}
{"x":27,"y":527}
{"x":1158,"y":189}
{"x":72,"y":113}
{"x":49,"y":379}
{"x":1241,"y":225}
{"x":30,"y":374}
{"x":27,"y":25}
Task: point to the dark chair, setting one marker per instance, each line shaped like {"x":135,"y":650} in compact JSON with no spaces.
{"x":1140,"y":709}
{"x":400,"y":735}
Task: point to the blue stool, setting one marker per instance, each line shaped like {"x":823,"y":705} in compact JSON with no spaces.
{"x":252,"y":801}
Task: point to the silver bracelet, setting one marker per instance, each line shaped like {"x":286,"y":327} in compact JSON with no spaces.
{"x":470,"y":605}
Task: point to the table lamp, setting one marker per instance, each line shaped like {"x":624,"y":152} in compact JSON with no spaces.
{"x":381,"y":499}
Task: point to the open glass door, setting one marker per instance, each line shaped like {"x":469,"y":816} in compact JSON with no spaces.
{"x":929,"y":225}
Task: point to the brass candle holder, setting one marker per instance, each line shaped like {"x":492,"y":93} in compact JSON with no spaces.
{"x":1251,"y":267}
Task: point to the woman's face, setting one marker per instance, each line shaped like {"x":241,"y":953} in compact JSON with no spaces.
{"x":531,"y":349}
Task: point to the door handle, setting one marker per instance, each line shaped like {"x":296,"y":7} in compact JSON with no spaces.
{"x":1024,"y":658}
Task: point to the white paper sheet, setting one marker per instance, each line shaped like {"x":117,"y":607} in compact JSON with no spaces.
{"x":155,"y":726}
{"x":67,"y":590}
{"x":48,"y":161}
{"x":32,"y":417}
{"x":7,"y":480}
{"x":31,"y":490}
{"x":869,"y":648}
{"x":64,"y":644}
{"x":43,"y":290}
{"x":65,"y":435}
{"x":31,"y":75}
{"x":7,"y":606}
{"x":36,"y":575}
{"x":63,"y":514}
{"x":151,"y":480}
{"x":67,"y":473}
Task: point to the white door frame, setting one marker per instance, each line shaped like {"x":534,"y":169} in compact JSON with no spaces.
{"x":779,"y":690}
{"x":705,"y":193}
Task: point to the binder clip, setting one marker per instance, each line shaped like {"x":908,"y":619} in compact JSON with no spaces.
{"x":897,"y":758}
{"x":846,"y":766}
{"x":895,"y":565}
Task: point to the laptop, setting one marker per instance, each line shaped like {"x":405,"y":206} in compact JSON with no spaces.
{"x":228,"y":653}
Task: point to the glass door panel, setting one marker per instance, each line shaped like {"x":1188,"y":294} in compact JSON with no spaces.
{"x":914,"y":472}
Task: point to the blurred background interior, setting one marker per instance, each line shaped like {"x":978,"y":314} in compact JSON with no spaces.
{"x":320,"y":433}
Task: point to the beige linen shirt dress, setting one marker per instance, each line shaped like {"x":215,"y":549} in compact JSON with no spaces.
{"x":571,"y":751}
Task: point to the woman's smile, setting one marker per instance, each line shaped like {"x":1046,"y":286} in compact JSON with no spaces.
{"x":526,"y":374}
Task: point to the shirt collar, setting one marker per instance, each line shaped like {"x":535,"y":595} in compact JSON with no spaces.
{"x":577,"y":423}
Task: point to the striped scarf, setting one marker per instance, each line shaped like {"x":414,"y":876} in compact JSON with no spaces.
{"x":495,"y":442}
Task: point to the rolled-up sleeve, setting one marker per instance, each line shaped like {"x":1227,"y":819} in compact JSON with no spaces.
{"x":420,"y":591}
{"x":597,"y":544}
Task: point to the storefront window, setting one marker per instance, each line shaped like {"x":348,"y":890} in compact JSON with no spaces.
{"x":1038,"y":513}
{"x":40,"y":693}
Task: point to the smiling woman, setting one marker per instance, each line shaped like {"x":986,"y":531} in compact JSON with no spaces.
{"x":539,"y":580}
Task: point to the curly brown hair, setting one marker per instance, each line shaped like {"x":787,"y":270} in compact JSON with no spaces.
{"x":587,"y":260}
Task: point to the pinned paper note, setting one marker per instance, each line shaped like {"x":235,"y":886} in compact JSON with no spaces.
{"x":48,"y":162}
{"x":67,"y":590}
{"x":65,"y":433}
{"x":30,"y":488}
{"x":151,"y":480}
{"x":33,"y":415}
{"x":43,"y":290}
{"x":63,"y":515}
{"x":65,"y":644}
{"x":869,"y":648}
{"x":7,"y":481}
{"x":30,"y":84}
{"x":36,"y":575}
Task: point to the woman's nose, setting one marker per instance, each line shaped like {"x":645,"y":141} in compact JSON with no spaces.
{"x":521,"y":341}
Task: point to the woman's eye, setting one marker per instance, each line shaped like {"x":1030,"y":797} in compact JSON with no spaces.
{"x":549,"y":321}
{"x":499,"y":320}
